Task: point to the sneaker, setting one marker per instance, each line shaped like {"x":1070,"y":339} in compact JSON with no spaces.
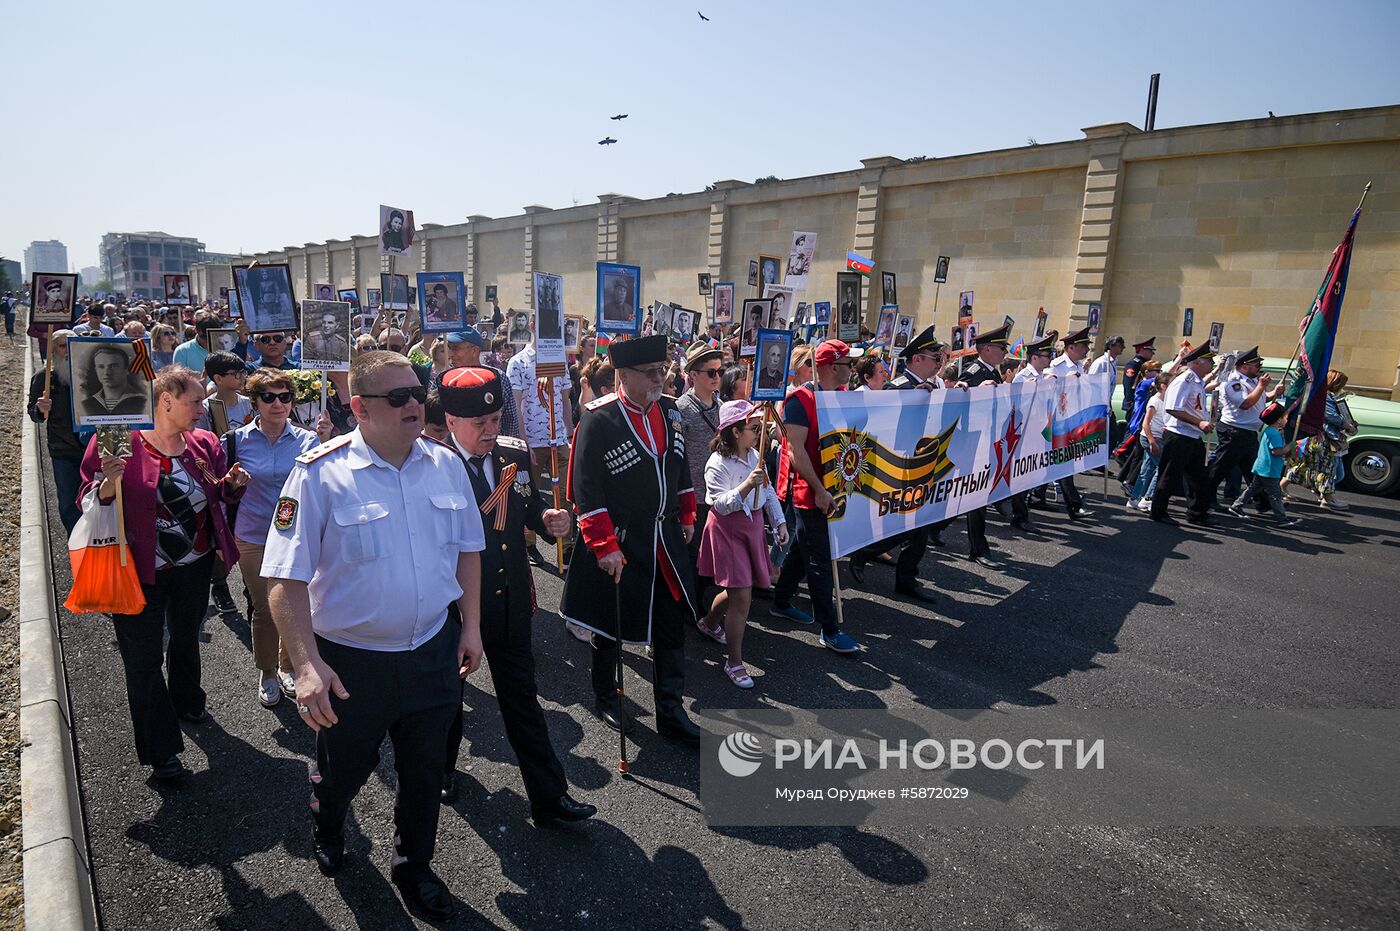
{"x":1289,"y":522}
{"x":840,"y":642}
{"x":1132,"y":504}
{"x":1145,"y":505}
{"x":288,"y":682}
{"x":792,"y":613}
{"x":739,"y":675}
{"x":269,"y":691}
{"x":714,"y":633}
{"x":1236,"y":510}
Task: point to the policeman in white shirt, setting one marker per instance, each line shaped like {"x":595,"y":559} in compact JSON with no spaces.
{"x":1183,"y":450}
{"x":1069,"y":364}
{"x":1038,"y":356}
{"x":1108,"y":362}
{"x":1243,"y":396}
{"x":375,"y":534}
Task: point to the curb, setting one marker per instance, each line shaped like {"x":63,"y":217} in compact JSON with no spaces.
{"x":58,"y":885}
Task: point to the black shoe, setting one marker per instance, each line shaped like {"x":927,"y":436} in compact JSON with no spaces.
{"x":562,"y":808}
{"x":329,"y":852}
{"x":449,"y":788}
{"x":223,"y":600}
{"x":676,"y":724}
{"x":1080,"y":514}
{"x":423,"y":891}
{"x":533,"y":552}
{"x":1201,"y":521}
{"x":858,"y":570}
{"x":195,"y":717}
{"x":169,"y":770}
{"x":915,"y":593}
{"x":1020,"y":523}
{"x":608,"y":711}
{"x":985,"y":561}
{"x":1164,"y":519}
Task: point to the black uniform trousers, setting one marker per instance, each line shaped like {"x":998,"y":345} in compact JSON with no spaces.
{"x":512,"y":664}
{"x":176,"y":602}
{"x":1235,"y":448}
{"x":1183,"y":457}
{"x":410,"y":695}
{"x":977,"y":544}
{"x":668,"y":619}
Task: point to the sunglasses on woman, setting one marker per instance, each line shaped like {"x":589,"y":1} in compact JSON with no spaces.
{"x":398,"y":397}
{"x":267,"y":397}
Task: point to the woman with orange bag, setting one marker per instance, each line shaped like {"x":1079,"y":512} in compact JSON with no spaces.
{"x":173,"y":487}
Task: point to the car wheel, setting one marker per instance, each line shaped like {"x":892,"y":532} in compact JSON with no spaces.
{"x":1374,"y":468}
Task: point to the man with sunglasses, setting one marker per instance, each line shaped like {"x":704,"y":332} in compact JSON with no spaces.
{"x":273,"y":351}
{"x":633,"y":578}
{"x":375,"y":534}
{"x":699,"y":407}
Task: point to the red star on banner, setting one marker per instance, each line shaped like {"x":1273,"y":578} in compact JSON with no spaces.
{"x":1006,"y":451}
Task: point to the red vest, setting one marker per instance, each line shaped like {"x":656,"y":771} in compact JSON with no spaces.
{"x":789,"y":479}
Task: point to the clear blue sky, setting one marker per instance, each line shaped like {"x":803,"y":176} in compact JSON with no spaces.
{"x":256,"y":125}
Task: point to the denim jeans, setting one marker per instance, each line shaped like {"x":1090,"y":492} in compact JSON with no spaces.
{"x":65,"y":487}
{"x":1270,"y":487}
{"x":1146,"y":482}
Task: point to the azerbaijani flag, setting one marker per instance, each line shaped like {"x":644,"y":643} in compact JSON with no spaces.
{"x":1316,"y":335}
{"x":855,"y":262}
{"x":1090,"y":423}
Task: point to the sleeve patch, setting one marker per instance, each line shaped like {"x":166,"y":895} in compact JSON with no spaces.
{"x":286,"y":513}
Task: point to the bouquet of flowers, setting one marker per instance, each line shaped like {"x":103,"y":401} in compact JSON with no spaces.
{"x":307,"y":385}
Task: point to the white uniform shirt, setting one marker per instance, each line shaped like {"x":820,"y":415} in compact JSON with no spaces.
{"x":1105,"y":363}
{"x":1232,"y":394}
{"x":377,"y":545}
{"x":1062,"y":367}
{"x":1187,"y":392}
{"x":1028,"y":373}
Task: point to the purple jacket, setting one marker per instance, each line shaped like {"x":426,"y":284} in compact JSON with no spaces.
{"x":203,"y":454}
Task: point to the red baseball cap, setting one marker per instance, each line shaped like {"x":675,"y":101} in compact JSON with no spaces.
{"x":831,"y":351}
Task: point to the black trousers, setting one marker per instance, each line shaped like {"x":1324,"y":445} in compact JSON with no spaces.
{"x":809,"y":557}
{"x":668,"y":620}
{"x":176,"y":602}
{"x":512,"y":664}
{"x":1073,"y":500}
{"x":1235,"y":449}
{"x":1183,"y":457}
{"x":976,"y":531}
{"x":410,"y":695}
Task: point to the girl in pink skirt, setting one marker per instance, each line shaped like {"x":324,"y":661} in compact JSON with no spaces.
{"x":732,"y":551}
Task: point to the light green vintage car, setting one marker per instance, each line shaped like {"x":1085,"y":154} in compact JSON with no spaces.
{"x":1372,"y":461}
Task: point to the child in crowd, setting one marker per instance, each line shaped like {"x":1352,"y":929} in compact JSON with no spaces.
{"x":732,"y":551}
{"x":228,"y":373}
{"x":1268,"y":469}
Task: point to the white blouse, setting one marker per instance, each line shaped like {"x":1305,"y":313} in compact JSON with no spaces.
{"x":723,"y":476}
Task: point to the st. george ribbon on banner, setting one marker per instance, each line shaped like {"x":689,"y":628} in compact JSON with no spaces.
{"x":898,"y":460}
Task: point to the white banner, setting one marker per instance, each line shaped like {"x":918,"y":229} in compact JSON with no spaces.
{"x":898,"y":460}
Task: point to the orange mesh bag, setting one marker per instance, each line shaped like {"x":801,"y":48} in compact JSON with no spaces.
{"x":104,"y":574}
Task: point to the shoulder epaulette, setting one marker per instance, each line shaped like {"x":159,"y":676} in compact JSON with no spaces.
{"x":334,"y":443}
{"x":512,"y":442}
{"x":596,"y":403}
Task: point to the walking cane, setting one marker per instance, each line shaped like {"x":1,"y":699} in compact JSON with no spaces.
{"x":621,"y":694}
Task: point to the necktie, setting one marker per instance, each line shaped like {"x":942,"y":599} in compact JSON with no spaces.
{"x":480,"y":487}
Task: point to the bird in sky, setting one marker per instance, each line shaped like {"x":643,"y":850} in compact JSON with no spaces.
{"x":702,"y":16}
{"x":606,"y":140}
{"x":620,"y":116}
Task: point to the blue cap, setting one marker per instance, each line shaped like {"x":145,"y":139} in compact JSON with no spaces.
{"x":468,"y":335}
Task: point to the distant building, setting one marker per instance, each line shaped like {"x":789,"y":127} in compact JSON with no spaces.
{"x":89,"y":276}
{"x":15,"y":274}
{"x":48,"y":256}
{"x":135,"y":262}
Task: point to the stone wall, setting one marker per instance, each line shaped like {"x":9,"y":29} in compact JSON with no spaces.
{"x":1237,"y":220}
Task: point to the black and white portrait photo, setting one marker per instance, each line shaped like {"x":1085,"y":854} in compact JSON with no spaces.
{"x":783,"y":306}
{"x":771,"y":365}
{"x":105,"y":389}
{"x":704,"y":278}
{"x":573,"y":330}
{"x":325,"y":335}
{"x":753,"y":273}
{"x":619,"y":298}
{"x":1041,"y":319}
{"x":374,"y":298}
{"x":884,"y":329}
{"x":662,"y":315}
{"x":1095,"y":317}
{"x":965,"y":307}
{"x":235,"y":309}
{"x":848,"y":306}
{"x":223,"y":339}
{"x":769,"y":270}
{"x":940,"y":270}
{"x":265,"y":293}
{"x":177,"y":289}
{"x":799,"y":260}
{"x":1188,"y":321}
{"x":724,"y":302}
{"x":395,"y":293}
{"x":903,"y":331}
{"x":53,"y":295}
{"x":395,"y":231}
{"x":323,"y":292}
{"x":491,"y":291}
{"x":683,"y":325}
{"x":519,"y":332}
{"x":755,"y":318}
{"x":887,"y":288}
{"x":549,"y":306}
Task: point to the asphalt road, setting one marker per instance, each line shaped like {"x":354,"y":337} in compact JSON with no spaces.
{"x":1114,"y":613}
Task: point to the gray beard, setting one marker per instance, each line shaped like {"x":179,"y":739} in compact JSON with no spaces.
{"x":60,"y":371}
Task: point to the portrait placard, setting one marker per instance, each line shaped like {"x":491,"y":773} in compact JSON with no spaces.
{"x":771,"y":366}
{"x":756,"y":313}
{"x":396,"y":292}
{"x":753,"y":273}
{"x":888,"y":289}
{"x":940,"y":270}
{"x":822,"y":309}
{"x":573,"y":332}
{"x":373,"y":298}
{"x":848,"y":306}
{"x":769,"y":270}
{"x":1095,"y":317}
{"x":224,"y":339}
{"x":491,"y":291}
{"x":784,"y":305}
{"x":619,"y":298}
{"x":235,"y":308}
{"x":325,"y":335}
{"x":724,"y":302}
{"x":1188,"y":321}
{"x":1217,"y":333}
{"x":52,"y":295}
{"x":1042,"y":319}
{"x":440,"y":301}
{"x":816,"y":333}
{"x":1009,"y":322}
{"x":349,"y":296}
{"x":964,"y":307}
{"x":799,"y":260}
{"x":704,"y":281}
{"x":661,"y":314}
{"x":177,"y":289}
{"x":884,"y":328}
{"x":550,"y":358}
{"x":108,"y":389}
{"x":395,"y":231}
{"x":322,"y":292}
{"x":265,"y":293}
{"x":903,"y":331}
{"x":685,"y":325}
{"x":517,"y":324}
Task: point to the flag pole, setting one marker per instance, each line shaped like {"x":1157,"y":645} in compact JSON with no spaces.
{"x":554,"y":471}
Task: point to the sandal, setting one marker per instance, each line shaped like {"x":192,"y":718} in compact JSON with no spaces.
{"x":739,"y":675}
{"x":714,"y":633}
